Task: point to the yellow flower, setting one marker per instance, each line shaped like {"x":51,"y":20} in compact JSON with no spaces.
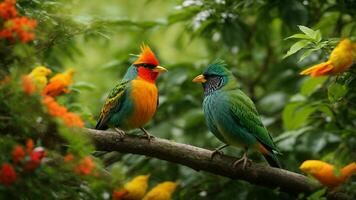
{"x":133,"y":190}
{"x":325,"y":172}
{"x":162,"y":191}
{"x":340,"y":60}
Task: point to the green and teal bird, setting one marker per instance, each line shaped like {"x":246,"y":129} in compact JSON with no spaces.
{"x":232,"y":116}
{"x":133,"y":102}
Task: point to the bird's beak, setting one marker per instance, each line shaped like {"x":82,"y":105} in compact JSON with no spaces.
{"x":159,"y":69}
{"x":199,"y":79}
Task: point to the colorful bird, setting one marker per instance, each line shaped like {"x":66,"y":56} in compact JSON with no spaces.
{"x":39,"y":76}
{"x":162,"y":191}
{"x":326,"y":174}
{"x":232,"y":116}
{"x":133,"y":102}
{"x":36,"y":80}
{"x":133,"y":190}
{"x":59,"y":83}
{"x":340,"y":60}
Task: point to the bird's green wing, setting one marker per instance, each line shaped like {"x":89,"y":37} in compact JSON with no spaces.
{"x":245,"y":114}
{"x":112,"y":104}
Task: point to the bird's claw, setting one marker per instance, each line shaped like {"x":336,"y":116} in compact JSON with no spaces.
{"x":120,"y":132}
{"x":146,"y":135}
{"x":219,"y":150}
{"x":244,"y":160}
{"x":216,"y":151}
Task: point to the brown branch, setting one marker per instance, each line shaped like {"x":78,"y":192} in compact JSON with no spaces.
{"x":200,"y":159}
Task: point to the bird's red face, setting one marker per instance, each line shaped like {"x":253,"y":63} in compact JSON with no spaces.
{"x":147,"y":65}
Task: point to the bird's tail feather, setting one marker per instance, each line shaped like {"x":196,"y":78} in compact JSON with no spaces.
{"x":269,"y":155}
{"x":319,"y":69}
{"x":272,"y":160}
{"x":100,"y":125}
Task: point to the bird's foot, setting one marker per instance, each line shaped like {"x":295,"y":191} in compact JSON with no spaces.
{"x":218,"y":150}
{"x":120,"y":132}
{"x":146,"y":135}
{"x":215,"y":152}
{"x":244,"y":160}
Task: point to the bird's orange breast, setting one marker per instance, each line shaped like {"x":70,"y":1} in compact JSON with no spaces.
{"x":144,"y":95}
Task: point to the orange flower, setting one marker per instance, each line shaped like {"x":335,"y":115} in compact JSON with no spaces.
{"x":7,"y":174}
{"x":340,"y":60}
{"x":22,"y":27}
{"x":69,"y":157}
{"x":85,"y":166}
{"x":18,"y":154}
{"x":325,"y":172}
{"x":72,"y":119}
{"x":59,"y":83}
{"x":53,"y":107}
{"x":27,"y":85}
{"x":56,"y":110}
{"x":119,"y":194}
{"x":8,"y":9}
{"x":29,"y":146}
{"x":35,"y":159}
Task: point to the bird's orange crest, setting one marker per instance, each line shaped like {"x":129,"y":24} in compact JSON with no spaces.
{"x":146,"y":56}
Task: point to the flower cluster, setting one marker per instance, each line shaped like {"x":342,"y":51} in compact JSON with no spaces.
{"x":27,"y":85}
{"x":7,"y":174}
{"x":27,"y":160}
{"x":14,"y":26}
{"x":57,"y":85}
{"x":8,"y":9}
{"x":54,"y":109}
{"x":85,"y":166}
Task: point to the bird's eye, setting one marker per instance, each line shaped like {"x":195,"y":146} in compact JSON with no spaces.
{"x":207,"y":76}
{"x":148,"y":66}
{"x":145,"y":65}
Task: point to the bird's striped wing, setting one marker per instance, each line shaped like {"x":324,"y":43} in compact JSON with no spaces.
{"x":112,"y":104}
{"x":245,"y":114}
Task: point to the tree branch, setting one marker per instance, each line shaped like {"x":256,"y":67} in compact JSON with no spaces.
{"x":200,"y":159}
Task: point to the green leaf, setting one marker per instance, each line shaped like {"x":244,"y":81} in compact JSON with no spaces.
{"x":336,"y":92}
{"x":306,"y":54}
{"x":308,"y":31}
{"x":299,"y":36}
{"x":312,"y":84}
{"x":296,"y":114}
{"x":318,"y":195}
{"x":324,"y":108}
{"x":296,"y":47}
{"x":318,"y":36}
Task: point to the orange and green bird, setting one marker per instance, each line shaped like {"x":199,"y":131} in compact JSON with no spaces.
{"x":133,"y":190}
{"x":162,"y":191}
{"x":59,"y":83}
{"x":133,"y":102}
{"x":232,"y":116}
{"x":340,"y":60}
{"x":326,"y":173}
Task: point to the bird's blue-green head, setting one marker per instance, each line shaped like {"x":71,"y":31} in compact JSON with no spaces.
{"x":216,"y":77}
